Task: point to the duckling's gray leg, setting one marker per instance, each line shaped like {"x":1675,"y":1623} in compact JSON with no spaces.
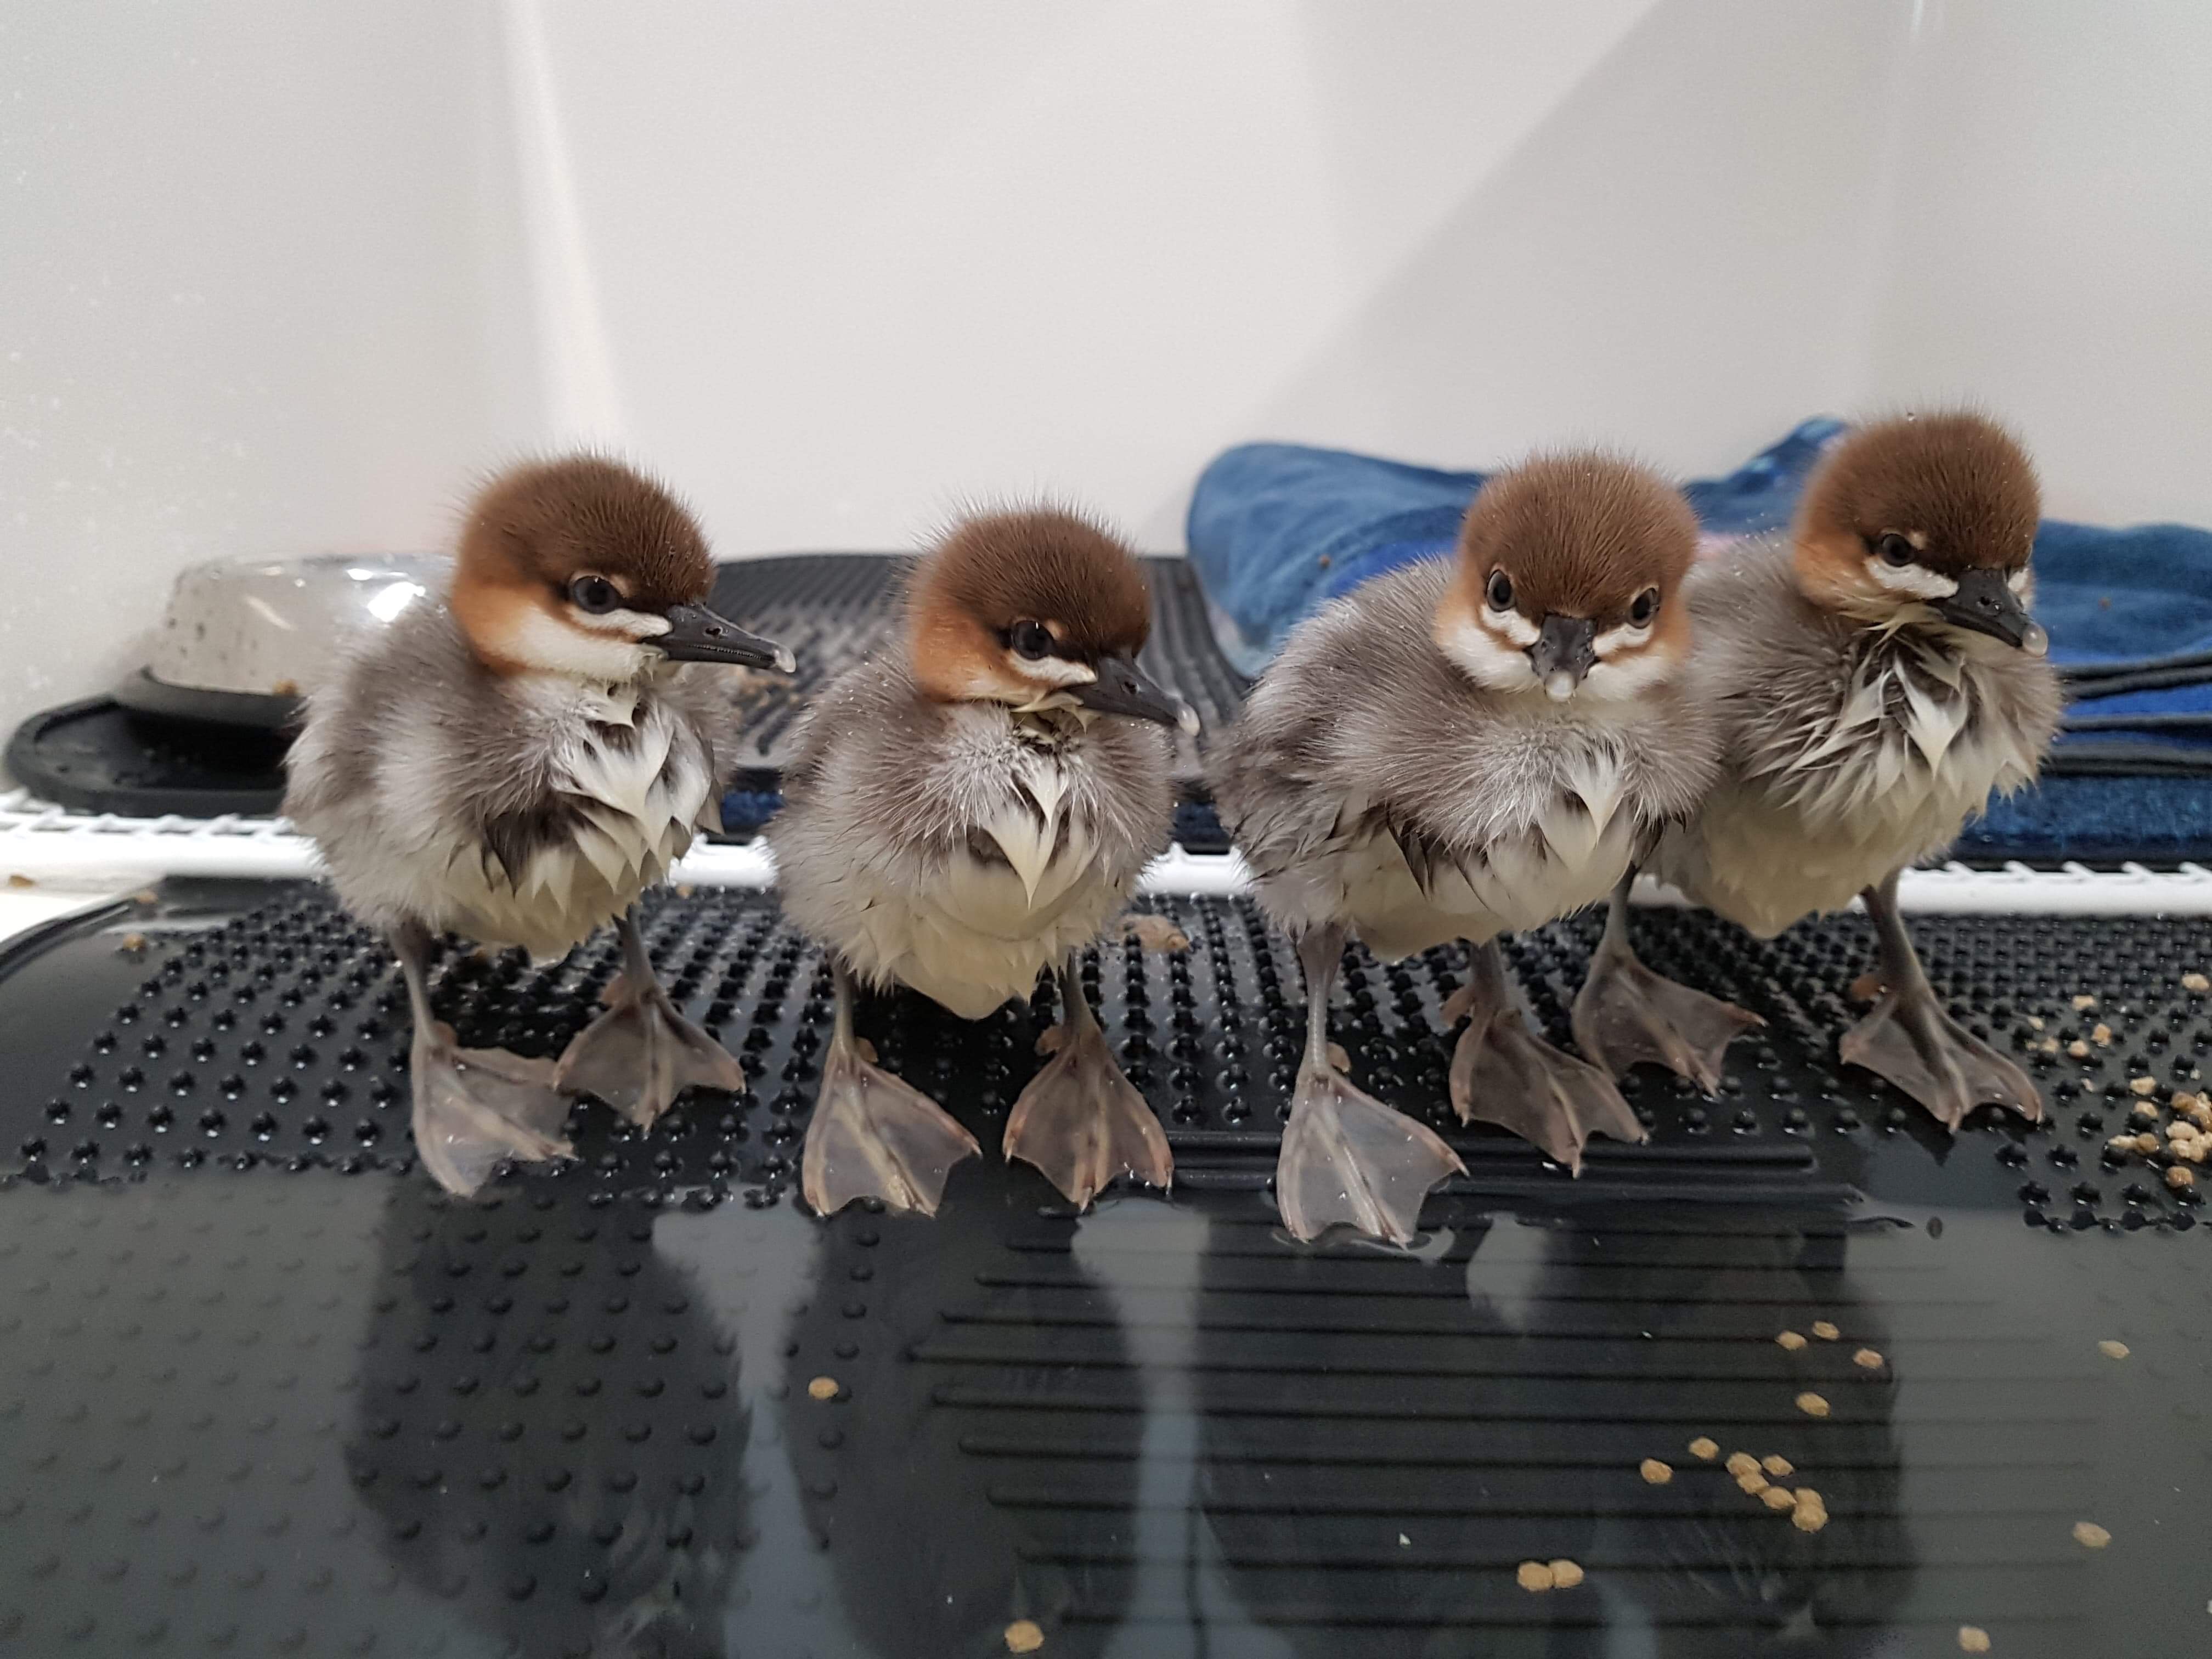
{"x":1913,"y":1042}
{"x":1626,"y":1013}
{"x":1080,"y":1121}
{"x":473,"y":1106}
{"x":641,"y":1053}
{"x":871,"y":1135}
{"x":1502,"y":1074}
{"x":1347,"y":1159}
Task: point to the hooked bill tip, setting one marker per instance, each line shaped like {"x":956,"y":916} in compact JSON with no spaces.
{"x":785,"y":661}
{"x":1561,"y":686}
{"x":1187,"y":719}
{"x":2036,"y":641}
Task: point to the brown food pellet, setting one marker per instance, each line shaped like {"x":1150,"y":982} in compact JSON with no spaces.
{"x":1565,"y":1575}
{"x":2113,"y":1350}
{"x":2196,"y":983}
{"x":2142,"y":1114}
{"x":1532,"y":1576}
{"x":1792,"y":1341}
{"x":1657,"y":1473}
{"x":2178,"y":1178}
{"x":2049,"y":1045}
{"x":1807,"y":1518}
{"x":2090,"y":1535}
{"x":1825,"y":1331}
{"x":2122,"y":1143}
{"x":1812,"y":1404}
{"x":2036,"y":1020}
{"x":2078,"y":1048}
{"x":1866,"y":988}
{"x":1777,"y":1465}
{"x":2144,"y":1086}
{"x":1972,"y":1638}
{"x":1024,"y":1635}
{"x":1752,"y":1483}
{"x":20,"y":880}
{"x":2101,"y":1036}
{"x":1778,"y":1498}
{"x":147,"y":895}
{"x":823,"y":1387}
{"x":134,"y":943}
{"x":1705,"y":1449}
{"x":1808,"y":1498}
{"x":2083,"y":1002}
{"x":2146,"y":1143}
{"x":1868,"y":1359}
{"x":1155,"y":932}
{"x":1739,"y":1464}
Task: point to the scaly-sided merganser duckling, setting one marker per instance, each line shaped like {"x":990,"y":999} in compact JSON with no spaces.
{"x":1878,"y":677}
{"x":968,"y":807}
{"x":1452,"y":750}
{"x":518,"y":765}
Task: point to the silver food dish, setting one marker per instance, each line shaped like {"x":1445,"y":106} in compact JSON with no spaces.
{"x":244,"y":639}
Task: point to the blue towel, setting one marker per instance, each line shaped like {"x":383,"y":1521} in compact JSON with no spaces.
{"x":1276,"y":530}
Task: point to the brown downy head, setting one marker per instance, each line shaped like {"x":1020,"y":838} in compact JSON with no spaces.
{"x":582,"y":567}
{"x":1927,"y":522}
{"x":1038,"y":608}
{"x":1569,"y":567}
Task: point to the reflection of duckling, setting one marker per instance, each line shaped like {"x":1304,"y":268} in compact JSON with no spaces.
{"x":518,"y":765}
{"x":966,"y":808}
{"x":1878,"y":676}
{"x":1452,"y":750}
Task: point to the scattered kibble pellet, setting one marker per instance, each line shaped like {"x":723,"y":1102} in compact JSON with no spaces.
{"x":2089,"y":1535}
{"x":1739,"y":1464}
{"x":133,"y":943}
{"x":1532,"y":1576}
{"x":1752,"y":1484}
{"x":1868,"y":1359}
{"x":2146,"y":1143}
{"x":1777,"y":1465}
{"x":1866,"y":988}
{"x":2113,"y":1350}
{"x":2142,"y":1115}
{"x":1812,"y":1404}
{"x":1792,"y":1341}
{"x":146,"y":895}
{"x":2180,"y":1179}
{"x":1657,"y":1473}
{"x":2196,"y":983}
{"x":2144,"y":1086}
{"x":1972,"y":1638}
{"x":1156,"y":933}
{"x":1809,"y":1517}
{"x":1565,"y":1575}
{"x":2078,"y":1048}
{"x":2101,"y":1034}
{"x":1705,"y":1449}
{"x":1807,"y":1497}
{"x":1024,"y":1635}
{"x":1825,"y":1331}
{"x":2083,"y":1002}
{"x":823,"y":1387}
{"x":1778,"y":1497}
{"x":2036,"y":1020}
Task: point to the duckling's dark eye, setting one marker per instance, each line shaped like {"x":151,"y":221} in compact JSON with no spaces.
{"x":594,"y":594}
{"x":1500,"y":592}
{"x":1031,"y":640}
{"x":1645,"y":608}
{"x":1895,"y":551}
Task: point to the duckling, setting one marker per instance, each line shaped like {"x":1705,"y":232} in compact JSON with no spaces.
{"x":1878,"y":676}
{"x":1460,"y":748}
{"x":968,"y":807}
{"x":518,"y":764}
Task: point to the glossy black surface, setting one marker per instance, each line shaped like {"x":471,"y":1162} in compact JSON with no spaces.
{"x":263,"y":1390}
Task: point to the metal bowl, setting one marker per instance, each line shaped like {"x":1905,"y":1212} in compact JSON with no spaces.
{"x":244,"y":639}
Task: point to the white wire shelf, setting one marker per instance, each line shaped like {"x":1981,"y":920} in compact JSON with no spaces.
{"x":43,"y":844}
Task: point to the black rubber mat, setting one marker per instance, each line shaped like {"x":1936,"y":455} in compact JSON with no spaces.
{"x":833,"y":609}
{"x":265,"y":1390}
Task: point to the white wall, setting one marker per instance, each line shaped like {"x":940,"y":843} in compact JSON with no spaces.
{"x":276,"y":277}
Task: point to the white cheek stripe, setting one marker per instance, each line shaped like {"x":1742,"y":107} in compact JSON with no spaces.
{"x":621,"y":624}
{"x":1626,"y":637}
{"x":1515,"y":626}
{"x":1051,"y":670}
{"x":1483,"y":658}
{"x":1915,"y":581}
{"x":2019,"y":579}
{"x":538,"y":640}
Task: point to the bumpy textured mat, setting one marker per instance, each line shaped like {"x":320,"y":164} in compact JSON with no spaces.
{"x":265,"y":1390}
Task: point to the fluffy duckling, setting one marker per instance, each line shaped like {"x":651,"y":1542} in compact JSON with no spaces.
{"x":1878,"y":677}
{"x":971,"y":806}
{"x":518,"y":764}
{"x":1454,"y":750}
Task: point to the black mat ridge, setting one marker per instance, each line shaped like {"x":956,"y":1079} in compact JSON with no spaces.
{"x":266,"y":1390}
